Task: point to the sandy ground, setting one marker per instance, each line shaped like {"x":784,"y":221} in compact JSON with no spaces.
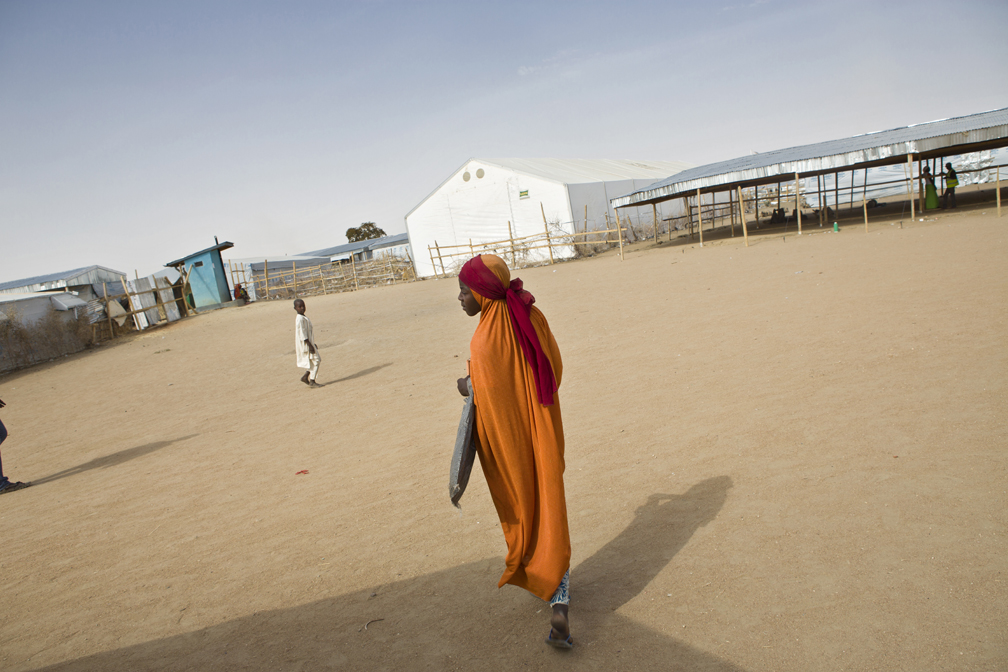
{"x":786,"y":457}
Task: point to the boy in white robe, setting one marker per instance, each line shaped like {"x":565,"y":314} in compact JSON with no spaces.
{"x":304,"y":345}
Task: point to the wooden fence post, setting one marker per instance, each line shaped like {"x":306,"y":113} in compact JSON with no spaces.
{"x":265,"y":275}
{"x":864,"y":204}
{"x":654,"y":218}
{"x":511,"y":238}
{"x":440,"y":260}
{"x":294,"y":276}
{"x":619,"y":233}
{"x":433,"y":265}
{"x":549,"y":243}
{"x":108,"y":313}
{"x":353,"y":265}
{"x":999,"y":191}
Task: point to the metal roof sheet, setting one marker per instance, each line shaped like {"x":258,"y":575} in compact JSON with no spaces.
{"x":878,"y":146}
{"x":219,"y":246}
{"x":56,"y":277}
{"x":373,"y":243}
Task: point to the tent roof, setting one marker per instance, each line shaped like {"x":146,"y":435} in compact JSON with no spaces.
{"x":575,"y":171}
{"x":945,"y":137}
{"x":579,"y":171}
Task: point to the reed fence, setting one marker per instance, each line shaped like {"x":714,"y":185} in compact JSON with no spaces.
{"x":349,"y":276}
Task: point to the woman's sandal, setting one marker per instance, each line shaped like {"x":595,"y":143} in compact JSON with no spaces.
{"x":558,"y":643}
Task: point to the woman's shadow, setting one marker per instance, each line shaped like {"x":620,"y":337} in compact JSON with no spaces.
{"x":415,"y":624}
{"x":621,"y":569}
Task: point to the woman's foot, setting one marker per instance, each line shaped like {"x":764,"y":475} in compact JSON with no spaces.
{"x":304,"y":378}
{"x":559,"y":636}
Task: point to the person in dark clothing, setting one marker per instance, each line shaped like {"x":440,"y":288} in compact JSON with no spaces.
{"x":6,"y":485}
{"x":951,"y":182}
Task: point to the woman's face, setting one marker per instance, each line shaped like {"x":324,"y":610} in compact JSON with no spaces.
{"x":469,"y":303}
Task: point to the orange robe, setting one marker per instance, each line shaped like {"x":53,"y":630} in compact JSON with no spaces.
{"x":521,"y":447}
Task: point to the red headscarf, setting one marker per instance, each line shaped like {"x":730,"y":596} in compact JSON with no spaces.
{"x":485,"y":282}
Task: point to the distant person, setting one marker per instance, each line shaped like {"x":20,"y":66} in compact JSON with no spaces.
{"x":515,"y":371}
{"x":240,"y":293}
{"x":930,"y":193}
{"x":304,"y":345}
{"x":951,"y":182}
{"x":6,"y":485}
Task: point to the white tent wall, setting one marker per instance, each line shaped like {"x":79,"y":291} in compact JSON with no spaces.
{"x":480,"y":209}
{"x":482,"y":196}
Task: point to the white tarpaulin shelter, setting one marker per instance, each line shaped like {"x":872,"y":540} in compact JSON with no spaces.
{"x":480,"y":199}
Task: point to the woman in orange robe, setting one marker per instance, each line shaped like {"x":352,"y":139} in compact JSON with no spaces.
{"x":515,"y":369}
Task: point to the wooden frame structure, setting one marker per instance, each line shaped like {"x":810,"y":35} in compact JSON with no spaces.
{"x":923,"y":143}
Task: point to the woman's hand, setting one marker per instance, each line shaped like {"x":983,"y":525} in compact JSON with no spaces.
{"x":463,"y":387}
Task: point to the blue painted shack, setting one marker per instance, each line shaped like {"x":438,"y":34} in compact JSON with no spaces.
{"x":207,"y":278}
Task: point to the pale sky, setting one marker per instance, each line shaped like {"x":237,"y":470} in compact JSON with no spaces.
{"x":132,"y":133}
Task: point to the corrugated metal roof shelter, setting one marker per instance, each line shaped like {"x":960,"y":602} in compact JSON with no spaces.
{"x":361,"y":249}
{"x":920,"y":142}
{"x":86,"y":281}
{"x":496,"y":199}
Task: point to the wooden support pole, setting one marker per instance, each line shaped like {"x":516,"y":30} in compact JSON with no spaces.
{"x":797,"y":201}
{"x":129,"y":301}
{"x":913,"y":215}
{"x":836,"y":195}
{"x":472,"y":253}
{"x":353,"y":265}
{"x":864,"y":204}
{"x":586,"y":222}
{"x":433,"y":265}
{"x":745,"y":231}
{"x":265,"y":275}
{"x":699,"y":208}
{"x":999,"y":191}
{"x":755,"y":193}
{"x":654,"y":218}
{"x":920,"y":187}
{"x":619,"y":233}
{"x":818,"y":186}
{"x":731,"y":206}
{"x":108,"y":313}
{"x":294,"y":276}
{"x":322,"y":280}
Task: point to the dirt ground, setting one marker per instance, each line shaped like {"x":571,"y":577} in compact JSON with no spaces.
{"x":790,"y":456}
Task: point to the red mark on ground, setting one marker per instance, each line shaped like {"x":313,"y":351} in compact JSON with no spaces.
{"x":303,"y":471}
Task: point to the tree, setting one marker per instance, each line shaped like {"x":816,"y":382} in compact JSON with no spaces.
{"x":365,"y":231}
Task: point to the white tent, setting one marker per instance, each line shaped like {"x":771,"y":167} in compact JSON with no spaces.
{"x":480,"y":199}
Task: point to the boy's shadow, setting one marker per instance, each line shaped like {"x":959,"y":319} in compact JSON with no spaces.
{"x":457,"y":619}
{"x":361,"y":373}
{"x":106,"y":461}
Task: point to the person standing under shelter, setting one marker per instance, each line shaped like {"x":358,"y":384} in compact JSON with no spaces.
{"x":6,"y":485}
{"x":304,"y":346}
{"x":930,"y":193}
{"x":951,"y":182}
{"x":515,"y":370}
